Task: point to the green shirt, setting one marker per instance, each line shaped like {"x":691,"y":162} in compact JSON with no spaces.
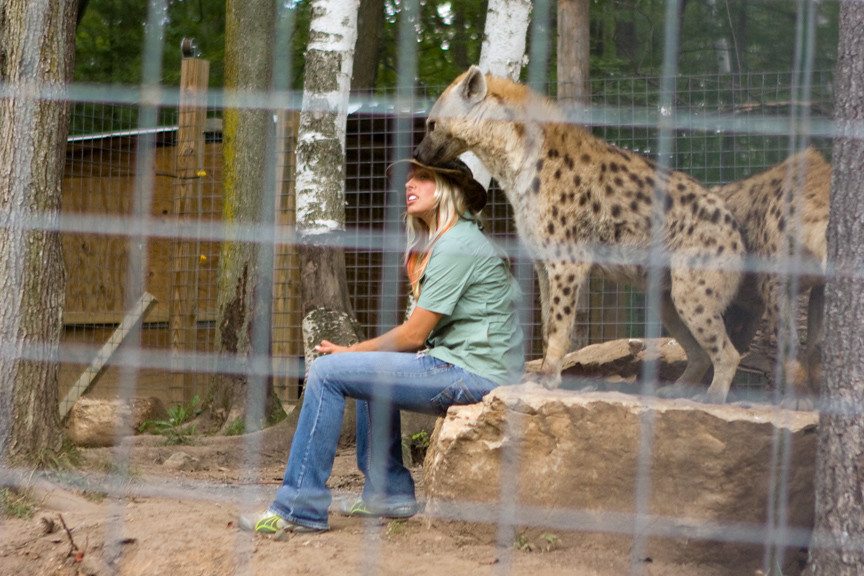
{"x":468,"y":280}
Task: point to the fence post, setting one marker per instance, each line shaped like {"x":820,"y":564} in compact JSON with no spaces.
{"x":285,"y":326}
{"x":183,"y":304}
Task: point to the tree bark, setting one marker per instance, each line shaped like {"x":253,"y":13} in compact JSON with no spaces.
{"x":37,"y":47}
{"x":502,"y":53}
{"x":573,"y":68}
{"x":838,"y":542}
{"x":370,"y":23}
{"x":574,"y":58}
{"x":321,"y":153}
{"x":320,"y":180}
{"x":721,"y":42}
{"x":244,"y":286}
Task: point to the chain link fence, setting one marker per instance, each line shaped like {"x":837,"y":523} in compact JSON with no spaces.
{"x":715,"y":143}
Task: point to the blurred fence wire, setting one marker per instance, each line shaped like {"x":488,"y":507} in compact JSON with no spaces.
{"x":125,"y":235}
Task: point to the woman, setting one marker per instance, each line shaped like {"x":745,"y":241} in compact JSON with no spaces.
{"x":461,"y":340}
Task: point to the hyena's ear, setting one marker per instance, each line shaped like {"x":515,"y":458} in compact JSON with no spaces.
{"x":474,"y":85}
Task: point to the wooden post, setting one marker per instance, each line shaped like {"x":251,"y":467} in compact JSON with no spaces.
{"x":573,"y":87}
{"x":183,"y":304}
{"x":286,"y":345}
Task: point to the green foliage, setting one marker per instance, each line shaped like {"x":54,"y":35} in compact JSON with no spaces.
{"x":16,"y":503}
{"x":395,"y":527}
{"x":111,"y":37}
{"x":522,"y":543}
{"x":236,"y":427}
{"x":414,"y":447}
{"x":277,"y":414}
{"x":109,"y":42}
{"x":448,"y":39}
{"x":176,"y":429}
{"x":65,"y":457}
{"x":420,"y":439}
{"x":627,"y":37}
{"x":547,"y":542}
{"x":203,"y":20}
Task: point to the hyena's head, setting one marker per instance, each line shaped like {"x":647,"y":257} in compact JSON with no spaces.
{"x":453,"y":119}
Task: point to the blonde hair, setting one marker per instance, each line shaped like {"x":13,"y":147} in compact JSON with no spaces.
{"x":450,"y":205}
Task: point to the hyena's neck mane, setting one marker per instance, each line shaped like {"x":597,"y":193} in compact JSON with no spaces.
{"x":511,"y":138}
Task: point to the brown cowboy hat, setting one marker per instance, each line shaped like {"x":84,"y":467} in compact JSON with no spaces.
{"x":458,"y":172}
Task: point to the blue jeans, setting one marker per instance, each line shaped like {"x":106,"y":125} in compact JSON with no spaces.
{"x":383,"y":383}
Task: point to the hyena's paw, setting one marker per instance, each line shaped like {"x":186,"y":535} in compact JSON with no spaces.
{"x":546,"y":380}
{"x":797,"y":402}
{"x":708,"y":397}
{"x":679,"y":390}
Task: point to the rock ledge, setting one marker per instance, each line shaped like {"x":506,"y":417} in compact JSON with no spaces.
{"x":571,"y":461}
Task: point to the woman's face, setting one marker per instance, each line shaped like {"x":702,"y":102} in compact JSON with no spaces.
{"x":420,"y":194}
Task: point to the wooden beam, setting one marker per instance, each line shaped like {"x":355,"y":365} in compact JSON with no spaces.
{"x":183,"y":303}
{"x":285,"y":326}
{"x":97,"y":366}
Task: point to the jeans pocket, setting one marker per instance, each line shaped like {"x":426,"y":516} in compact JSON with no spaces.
{"x":457,"y":393}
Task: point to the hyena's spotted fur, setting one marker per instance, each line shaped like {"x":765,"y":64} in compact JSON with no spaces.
{"x":783,"y":214}
{"x":576,"y":195}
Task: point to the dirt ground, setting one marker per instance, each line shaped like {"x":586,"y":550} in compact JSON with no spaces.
{"x":160,"y":520}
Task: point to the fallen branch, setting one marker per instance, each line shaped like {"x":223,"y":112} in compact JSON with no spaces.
{"x":74,"y":549}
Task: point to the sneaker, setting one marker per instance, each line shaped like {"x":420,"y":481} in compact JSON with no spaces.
{"x":358,"y":508}
{"x":268,"y":522}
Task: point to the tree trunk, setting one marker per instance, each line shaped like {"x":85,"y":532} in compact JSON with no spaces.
{"x":370,"y":23}
{"x":502,"y":54}
{"x":37,"y":47}
{"x":320,"y":179}
{"x":245,"y":268}
{"x":574,"y":58}
{"x":721,"y":42}
{"x":321,"y":153}
{"x":839,"y":528}
{"x":574,"y":66}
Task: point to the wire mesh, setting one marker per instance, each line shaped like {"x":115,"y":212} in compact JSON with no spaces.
{"x":726,"y":127}
{"x":100,"y":178}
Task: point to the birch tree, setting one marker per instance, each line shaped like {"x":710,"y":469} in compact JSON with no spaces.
{"x":502,"y":53}
{"x":320,"y":177}
{"x":838,"y":543}
{"x":721,"y":42}
{"x":37,"y":42}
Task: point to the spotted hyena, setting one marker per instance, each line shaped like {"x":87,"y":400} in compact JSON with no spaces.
{"x":783,"y":214}
{"x":581,"y":204}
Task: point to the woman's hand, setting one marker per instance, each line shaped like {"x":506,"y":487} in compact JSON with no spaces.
{"x":408,"y":337}
{"x":327,"y":347}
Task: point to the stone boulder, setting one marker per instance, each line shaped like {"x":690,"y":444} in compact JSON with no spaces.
{"x":182,"y":461}
{"x":617,"y":364}
{"x":98,"y":422}
{"x":572,"y":462}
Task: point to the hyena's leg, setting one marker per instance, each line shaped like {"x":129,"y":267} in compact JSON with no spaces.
{"x":543,"y":285}
{"x":700,"y":303}
{"x":798,"y":393}
{"x":815,"y":335}
{"x":815,"y":317}
{"x":698,"y":361}
{"x":743,"y":315}
{"x":566,"y":279}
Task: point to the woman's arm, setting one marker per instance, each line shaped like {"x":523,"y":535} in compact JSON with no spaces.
{"x":407,"y":337}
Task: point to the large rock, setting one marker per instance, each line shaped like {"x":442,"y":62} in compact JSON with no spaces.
{"x":617,"y":364}
{"x":572,"y":461}
{"x":96,"y":422}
